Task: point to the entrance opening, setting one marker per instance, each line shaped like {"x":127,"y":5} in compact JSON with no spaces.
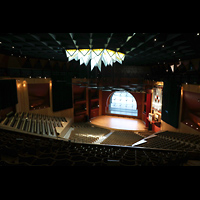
{"x":123,"y":103}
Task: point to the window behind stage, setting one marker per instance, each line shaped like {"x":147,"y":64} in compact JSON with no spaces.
{"x":123,"y":103}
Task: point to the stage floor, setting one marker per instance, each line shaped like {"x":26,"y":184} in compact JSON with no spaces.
{"x":119,"y":123}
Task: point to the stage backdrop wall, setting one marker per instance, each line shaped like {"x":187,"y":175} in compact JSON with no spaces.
{"x":138,"y":96}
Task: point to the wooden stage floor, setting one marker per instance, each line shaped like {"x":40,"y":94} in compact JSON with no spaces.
{"x":119,"y":123}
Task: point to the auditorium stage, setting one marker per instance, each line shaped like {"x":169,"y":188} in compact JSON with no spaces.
{"x":119,"y":123}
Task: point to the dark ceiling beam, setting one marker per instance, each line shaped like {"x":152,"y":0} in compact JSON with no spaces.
{"x":3,"y":38}
{"x":108,"y":40}
{"x":146,"y":39}
{"x":19,"y":38}
{"x":37,"y":38}
{"x":46,"y":45}
{"x":74,"y":41}
{"x":54,"y":38}
{"x":127,"y":39}
{"x":91,"y":40}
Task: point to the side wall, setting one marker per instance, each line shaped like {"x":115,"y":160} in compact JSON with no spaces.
{"x":182,"y":127}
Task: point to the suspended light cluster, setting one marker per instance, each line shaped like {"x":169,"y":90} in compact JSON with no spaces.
{"x":96,"y":56}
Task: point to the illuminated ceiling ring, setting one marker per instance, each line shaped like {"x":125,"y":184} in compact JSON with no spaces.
{"x":96,"y":56}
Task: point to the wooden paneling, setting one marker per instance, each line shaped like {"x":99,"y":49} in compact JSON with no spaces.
{"x":23,"y":105}
{"x":80,"y":102}
{"x":148,"y":108}
{"x":93,"y":95}
{"x":192,"y":100}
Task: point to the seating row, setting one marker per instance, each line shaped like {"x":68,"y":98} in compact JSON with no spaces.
{"x":164,"y":143}
{"x":126,"y":138}
{"x":87,"y":133}
{"x":19,"y":149}
{"x":34,"y":123}
{"x":183,"y":137}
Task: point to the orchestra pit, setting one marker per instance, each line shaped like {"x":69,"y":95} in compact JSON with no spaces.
{"x":99,"y":99}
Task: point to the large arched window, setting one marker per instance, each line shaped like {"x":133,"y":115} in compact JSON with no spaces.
{"x":123,"y":103}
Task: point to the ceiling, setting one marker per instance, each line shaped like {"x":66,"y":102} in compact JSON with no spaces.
{"x":140,"y":48}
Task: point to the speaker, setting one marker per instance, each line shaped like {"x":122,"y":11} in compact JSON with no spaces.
{"x":171,"y":102}
{"x":8,"y":93}
{"x":62,"y":93}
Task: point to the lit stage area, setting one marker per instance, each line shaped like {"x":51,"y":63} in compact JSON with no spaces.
{"x":119,"y":123}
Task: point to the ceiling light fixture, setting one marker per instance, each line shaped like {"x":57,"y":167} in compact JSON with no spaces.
{"x":96,"y":56}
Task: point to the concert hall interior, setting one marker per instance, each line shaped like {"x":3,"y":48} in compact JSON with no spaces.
{"x":100,"y":99}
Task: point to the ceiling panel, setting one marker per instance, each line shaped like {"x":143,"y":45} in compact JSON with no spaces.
{"x":140,"y":48}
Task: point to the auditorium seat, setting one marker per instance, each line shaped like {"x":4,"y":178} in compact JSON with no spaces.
{"x":43,"y":161}
{"x":62,"y":155}
{"x":101,"y":163}
{"x":125,"y":162}
{"x":27,"y":149}
{"x":122,"y":138}
{"x":62,"y":162}
{"x":94,"y":159}
{"x":26,"y":159}
{"x":46,"y":155}
{"x":78,"y":158}
{"x":172,"y":140}
{"x":82,"y":163}
{"x":86,"y":133}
